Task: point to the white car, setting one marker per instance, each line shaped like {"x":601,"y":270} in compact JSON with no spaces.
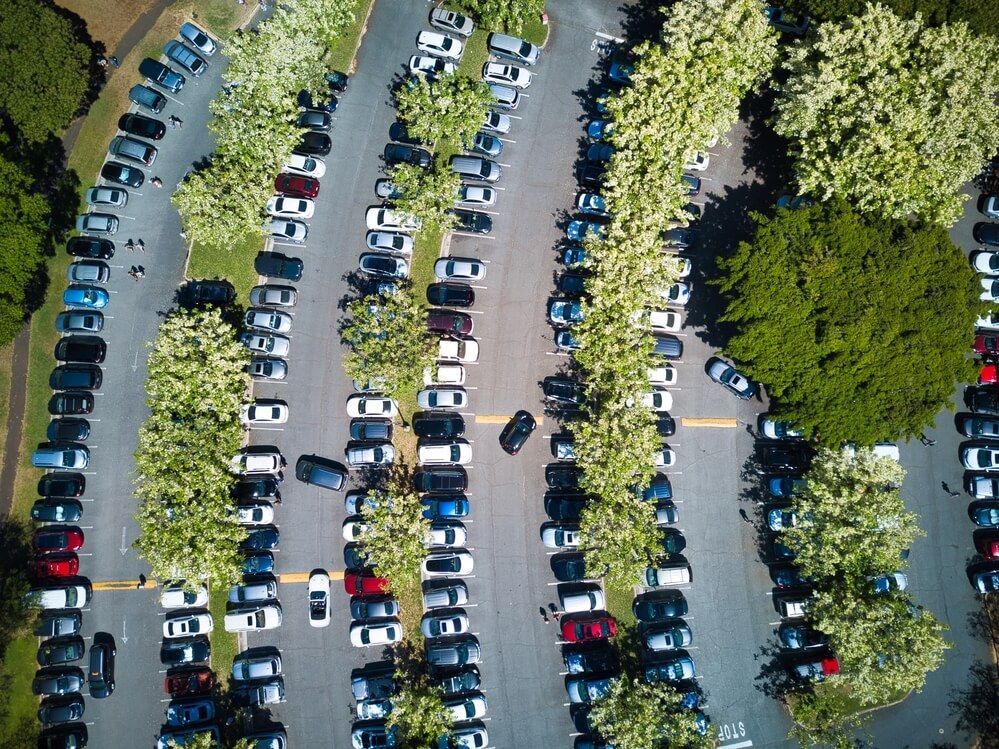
{"x":446,"y":534}
{"x":245,"y":464}
{"x":433,"y":66}
{"x":287,"y":230}
{"x":662,"y":376}
{"x":355,"y":501}
{"x":446,"y":374}
{"x":308,"y":166}
{"x":981,"y":457}
{"x":451,"y":21}
{"x":188,"y":625}
{"x":459,"y":269}
{"x":478,"y":196}
{"x":464,"y":351}
{"x":989,"y":321}
{"x":678,"y":294}
{"x":254,"y":620}
{"x":467,"y":708}
{"x":264,"y":412}
{"x":665,"y":321}
{"x":282,"y":207}
{"x":319,"y":599}
{"x":777,"y":429}
{"x":362,"y":406}
{"x":697,"y":162}
{"x":60,"y":597}
{"x":506,"y":75}
{"x":439,"y":45}
{"x":497,"y":122}
{"x":270,"y":320}
{"x":368,"y":634}
{"x":447,"y":563}
{"x":353,"y":529}
{"x":560,"y":536}
{"x":665,"y":458}
{"x":684,"y":267}
{"x":442,"y":625}
{"x":445,"y":453}
{"x":377,"y":218}
{"x":175,"y":597}
{"x":378,"y":454}
{"x":658,"y":400}
{"x":442,"y":397}
{"x":260,"y":513}
{"x":390,"y":241}
{"x":990,"y":288}
{"x":275,"y":345}
{"x":471,"y":736}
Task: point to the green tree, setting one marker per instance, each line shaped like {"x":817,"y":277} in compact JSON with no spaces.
{"x":24,"y":235}
{"x":636,"y":715}
{"x":418,"y":711}
{"x":824,"y":716}
{"x":503,"y":15}
{"x":851,"y":520}
{"x":858,"y":325}
{"x":387,"y":335}
{"x":396,"y":533}
{"x":427,"y":194}
{"x":449,"y":109}
{"x":619,"y":538}
{"x":891,"y":115}
{"x":196,"y":383}
{"x":981,"y":17}
{"x":46,"y":68}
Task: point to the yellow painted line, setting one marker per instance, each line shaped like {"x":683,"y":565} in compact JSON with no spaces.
{"x":687,"y":421}
{"x":288,"y":577}
{"x":303,"y":577}
{"x":502,"y":419}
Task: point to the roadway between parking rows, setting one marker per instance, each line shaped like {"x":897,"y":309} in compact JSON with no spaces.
{"x":285,"y":578}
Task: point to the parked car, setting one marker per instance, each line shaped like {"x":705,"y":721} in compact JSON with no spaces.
{"x":161,"y":75}
{"x":659,"y":606}
{"x":175,"y":596}
{"x":73,"y":403}
{"x":145,"y":127}
{"x":50,"y":510}
{"x":253,"y":667}
{"x":510,"y":47}
{"x":90,"y":247}
{"x":317,"y":120}
{"x":109,"y":196}
{"x":185,"y":57}
{"x":312,"y":143}
{"x":450,"y":295}
{"x":439,"y":45}
{"x":68,"y":430}
{"x":276,"y":265}
{"x":131,"y":149}
{"x":97,"y":223}
{"x":398,"y":153}
{"x":445,"y":563}
{"x":459,"y":269}
{"x":255,"y":619}
{"x":188,"y":624}
{"x":430,"y":66}
{"x":586,"y":628}
{"x":56,"y":455}
{"x":100,"y":675}
{"x":57,"y":681}
{"x":76,"y":376}
{"x":369,"y":634}
{"x":147,"y":98}
{"x":442,"y":397}
{"x":189,"y":682}
{"x":79,"y":322}
{"x":472,"y":221}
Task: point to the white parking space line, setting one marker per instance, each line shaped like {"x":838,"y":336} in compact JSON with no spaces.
{"x":608,"y":37}
{"x":506,"y":140}
{"x":505,"y":166}
{"x":474,"y":236}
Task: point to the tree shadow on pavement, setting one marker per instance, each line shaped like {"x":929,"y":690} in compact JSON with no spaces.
{"x":642,"y":21}
{"x":774,"y":679}
{"x":765,"y":154}
{"x":975,"y":706}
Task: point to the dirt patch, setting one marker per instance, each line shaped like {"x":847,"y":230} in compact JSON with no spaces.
{"x":104,"y":25}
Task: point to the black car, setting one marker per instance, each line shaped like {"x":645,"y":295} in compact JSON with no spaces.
{"x":659,"y":606}
{"x":397,"y":153}
{"x":321,"y":472}
{"x":121,"y":174}
{"x":72,"y":736}
{"x":71,"y":403}
{"x":162,"y":75}
{"x":451,"y":480}
{"x":787,"y":576}
{"x":665,"y":425}
{"x":260,"y":539}
{"x":591,"y":173}
{"x":261,"y":488}
{"x":572,"y":284}
{"x":371,"y":430}
{"x":782,"y":457}
{"x":466,"y":679}
{"x":986,"y":233}
{"x":61,"y":624}
{"x":144,"y":127}
{"x":580,"y":716}
{"x":337,"y":81}
{"x":450,"y":295}
{"x":76,"y":377}
{"x":473,"y":221}
{"x":92,"y":247}
{"x":208,"y":292}
{"x":100,"y":675}
{"x":184,"y":651}
{"x":315,"y":119}
{"x":86,"y":349}
{"x":516,"y":432}
{"x":354,"y":557}
{"x":438,"y":425}
{"x":691,"y":184}
{"x":314,"y":143}
{"x":681,"y":238}
{"x":562,"y":476}
{"x":276,"y":265}
{"x":590,"y":659}
{"x":62,"y":484}
{"x":61,"y":709}
{"x":60,"y":650}
{"x":569,"y":567}
{"x":68,"y":430}
{"x":564,"y":391}
{"x":60,"y":510}
{"x":672,"y":540}
{"x":983,"y":400}
{"x":399,"y":134}
{"x":562,"y":507}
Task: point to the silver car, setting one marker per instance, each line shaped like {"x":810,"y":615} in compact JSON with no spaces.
{"x":199,"y":39}
{"x":476,"y":195}
{"x":273,"y":295}
{"x":268,"y":368}
{"x":112,"y":196}
{"x":97,"y":223}
{"x":270,"y":320}
{"x":252,"y":592}
{"x":79,"y":322}
{"x":276,"y":345}
{"x":186,"y":58}
{"x":287,"y":229}
{"x":88,"y":271}
{"x":249,"y":668}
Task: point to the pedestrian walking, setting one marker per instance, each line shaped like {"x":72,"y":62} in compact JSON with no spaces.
{"x":156,"y":182}
{"x":130,"y":245}
{"x":544,"y":613}
{"x":926,"y":440}
{"x":950,"y":491}
{"x":556,"y":615}
{"x":115,"y":62}
{"x":142,"y":582}
{"x":134,"y":273}
{"x":744,"y":516}
{"x":140,"y":271}
{"x":278,"y":500}
{"x":140,"y":245}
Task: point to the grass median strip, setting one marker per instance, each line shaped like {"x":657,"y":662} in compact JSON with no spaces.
{"x":225,"y":645}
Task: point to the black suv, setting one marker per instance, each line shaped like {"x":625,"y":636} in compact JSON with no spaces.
{"x":87,"y":349}
{"x":76,"y":377}
{"x":313,"y":143}
{"x":71,"y":403}
{"x":562,"y":390}
{"x":62,"y":484}
{"x":276,"y":265}
{"x":396,"y":153}
{"x":441,"y":480}
{"x":370,"y":430}
{"x":438,"y":426}
{"x":450,"y":295}
{"x":209,"y":292}
{"x":144,"y":127}
{"x":122,"y":174}
{"x":782,"y":457}
{"x":983,"y":400}
{"x":92,"y":247}
{"x":100,"y":677}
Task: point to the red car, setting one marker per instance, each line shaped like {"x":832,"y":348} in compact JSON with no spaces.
{"x":588,"y":628}
{"x":365,"y":585}
{"x":57,"y":538}
{"x":187,"y":683}
{"x":988,"y":544}
{"x":296,"y":186}
{"x":57,"y":565}
{"x":451,"y":323}
{"x":989,"y":375}
{"x":987,"y":345}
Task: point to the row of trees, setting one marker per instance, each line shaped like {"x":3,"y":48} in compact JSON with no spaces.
{"x":852,"y":526}
{"x":637,"y":715}
{"x":981,"y":17}
{"x":195,"y":385}
{"x":503,"y":15}
{"x":254,"y":117}
{"x":684,"y":91}
{"x":889,"y":114}
{"x":858,"y":324}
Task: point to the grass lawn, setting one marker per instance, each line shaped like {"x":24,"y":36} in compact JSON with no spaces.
{"x":108,"y":28}
{"x":5,"y":374}
{"x":475,"y":55}
{"x":535,"y":32}
{"x":19,"y":666}
{"x":235,"y":264}
{"x":224,"y":644}
{"x":852,"y":705}
{"x":619,"y":605}
{"x":342,"y":55}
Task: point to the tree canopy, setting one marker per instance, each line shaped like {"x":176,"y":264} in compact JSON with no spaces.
{"x":503,"y":15}
{"x":46,"y":68}
{"x":981,"y":17}
{"x":418,"y":711}
{"x":858,"y":325}
{"x":396,"y":533}
{"x":196,"y":383}
{"x":447,"y":108}
{"x":636,"y":715}
{"x":887,"y":113}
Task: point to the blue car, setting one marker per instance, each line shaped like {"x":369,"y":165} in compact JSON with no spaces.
{"x":565,"y":312}
{"x":786,"y":487}
{"x":262,"y":538}
{"x":437,"y":508}
{"x":599,"y":129}
{"x":87,"y":297}
{"x":255,"y":564}
{"x":578,"y":229}
{"x":573,"y":257}
{"x":592,"y":204}
{"x":566,"y":341}
{"x":620,"y":72}
{"x":487,"y":145}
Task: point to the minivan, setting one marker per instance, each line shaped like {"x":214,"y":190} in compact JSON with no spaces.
{"x":506,"y":97}
{"x":513,"y":48}
{"x":64,"y":597}
{"x":668,"y":573}
{"x":475,"y":167}
{"x":668,"y":347}
{"x":587,"y":599}
{"x":134,"y":150}
{"x":147,"y":97}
